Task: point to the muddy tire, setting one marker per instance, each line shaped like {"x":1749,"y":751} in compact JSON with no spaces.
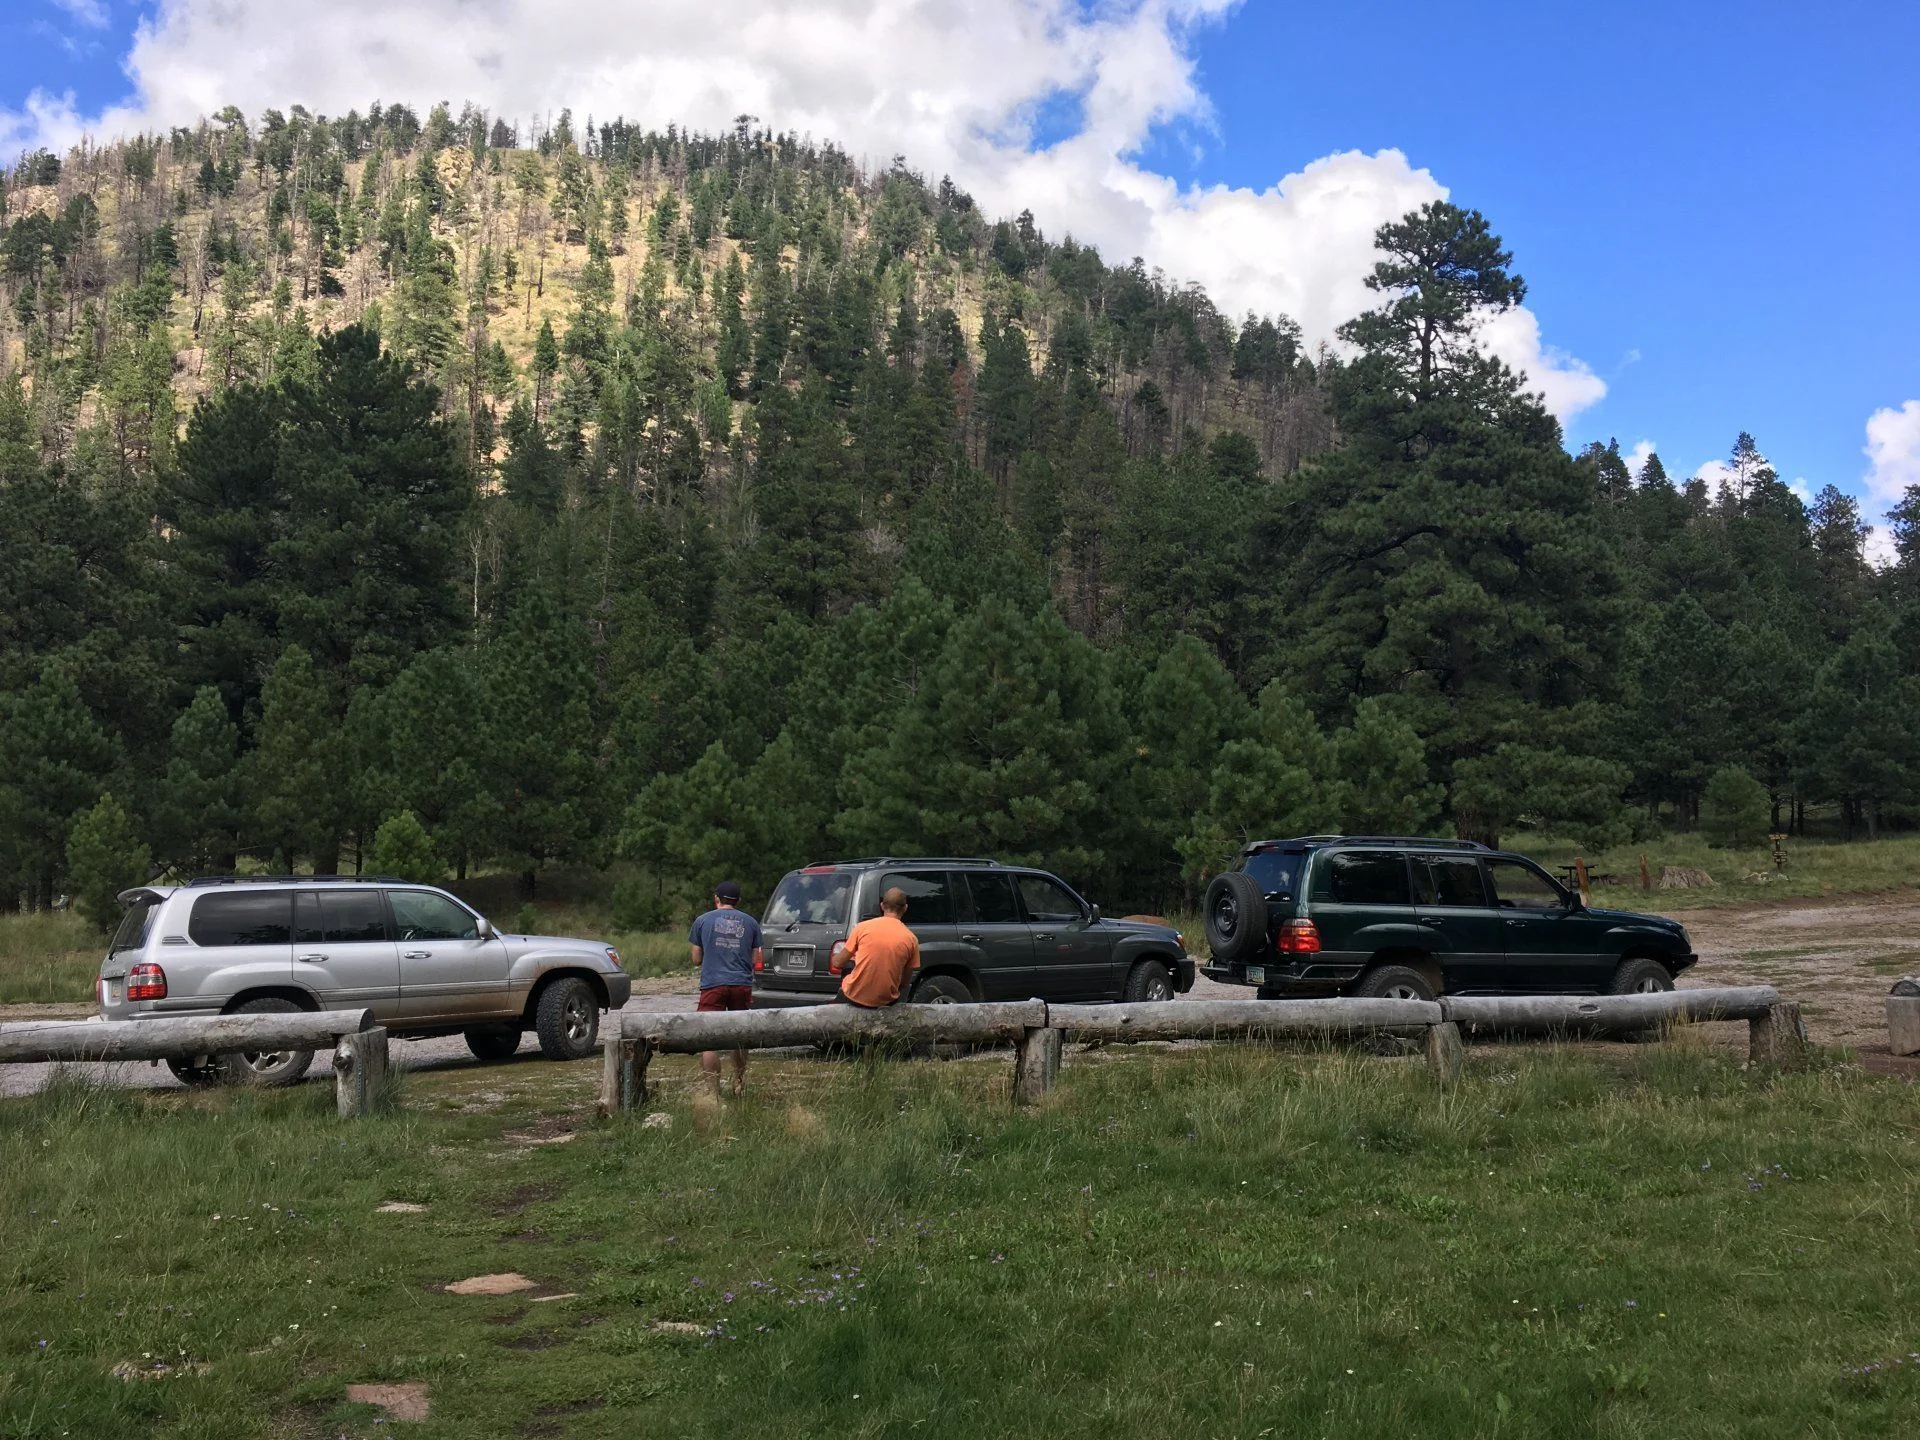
{"x":1394,"y":982}
{"x":269,"y":1068}
{"x":568,"y":1019}
{"x":491,"y":1044}
{"x":1640,"y":977}
{"x":1150,"y":980}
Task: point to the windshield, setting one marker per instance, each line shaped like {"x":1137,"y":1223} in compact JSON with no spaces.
{"x":1274,"y":871}
{"x":810,"y":897}
{"x":131,"y":934}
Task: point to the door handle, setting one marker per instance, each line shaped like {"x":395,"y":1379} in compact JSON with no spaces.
{"x":1516,"y":923}
{"x":312,"y":959}
{"x":1043,"y":937}
{"x":971,"y":939}
{"x":417,"y":955}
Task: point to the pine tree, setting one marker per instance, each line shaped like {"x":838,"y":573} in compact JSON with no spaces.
{"x":293,"y":777}
{"x":403,"y":849}
{"x":104,"y":857}
{"x":197,"y":817}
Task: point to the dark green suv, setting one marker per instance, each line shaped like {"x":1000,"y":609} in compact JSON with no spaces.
{"x":1412,"y":919}
{"x":987,"y":932}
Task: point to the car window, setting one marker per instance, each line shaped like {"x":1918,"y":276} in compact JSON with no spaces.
{"x":1449,"y":882}
{"x":261,"y":918}
{"x":1276,"y":872}
{"x":1521,"y":887}
{"x":810,"y":898}
{"x":1047,"y":901}
{"x":929,"y":895}
{"x":131,"y":933}
{"x":339,"y":917}
{"x":422,"y":915}
{"x":1356,"y":877}
{"x":994,"y":901}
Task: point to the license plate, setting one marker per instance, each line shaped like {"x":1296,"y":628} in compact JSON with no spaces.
{"x":1256,"y":974}
{"x":794,"y":960}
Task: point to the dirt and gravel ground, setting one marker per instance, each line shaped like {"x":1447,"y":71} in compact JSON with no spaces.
{"x":1837,"y":958}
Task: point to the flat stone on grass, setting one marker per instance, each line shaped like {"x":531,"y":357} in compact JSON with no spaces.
{"x":400,"y":1207}
{"x":511,"y":1283}
{"x":401,"y":1402}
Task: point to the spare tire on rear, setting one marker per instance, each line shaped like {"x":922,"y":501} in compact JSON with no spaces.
{"x":1236,"y":916}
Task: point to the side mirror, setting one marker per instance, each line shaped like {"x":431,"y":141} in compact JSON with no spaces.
{"x":487,"y":932}
{"x":1096,"y":916}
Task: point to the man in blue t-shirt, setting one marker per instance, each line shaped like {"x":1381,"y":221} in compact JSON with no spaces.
{"x":726,"y":951}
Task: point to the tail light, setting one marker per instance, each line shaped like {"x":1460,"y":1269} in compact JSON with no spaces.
{"x":759,"y":964}
{"x":146,"y":982}
{"x":1299,"y":937}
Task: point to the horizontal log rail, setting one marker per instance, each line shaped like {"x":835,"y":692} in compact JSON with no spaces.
{"x":1241,"y":1019}
{"x":178,"y":1037}
{"x":684,"y":1032}
{"x":1609,"y":1012}
{"x":1039,"y":1030}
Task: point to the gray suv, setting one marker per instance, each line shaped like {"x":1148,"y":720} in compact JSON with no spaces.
{"x":987,"y":931}
{"x":419,"y":959}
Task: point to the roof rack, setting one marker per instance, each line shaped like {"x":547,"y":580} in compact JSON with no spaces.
{"x":1404,"y":842}
{"x":911,"y":860}
{"x":199,"y":880}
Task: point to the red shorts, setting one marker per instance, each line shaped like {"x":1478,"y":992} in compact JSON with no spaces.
{"x":726,"y":997}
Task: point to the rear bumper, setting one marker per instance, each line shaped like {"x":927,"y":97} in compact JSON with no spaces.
{"x":769,"y":998}
{"x":1306,"y":980}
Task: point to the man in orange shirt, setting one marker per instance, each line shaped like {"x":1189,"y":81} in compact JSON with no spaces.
{"x":879,"y":958}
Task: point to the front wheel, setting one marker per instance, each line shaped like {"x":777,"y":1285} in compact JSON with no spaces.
{"x":568,"y":1019}
{"x":271,"y":1068}
{"x":1150,"y":980}
{"x":1641,"y":977}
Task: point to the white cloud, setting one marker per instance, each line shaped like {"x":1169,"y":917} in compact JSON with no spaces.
{"x":1893,"y":452}
{"x":1636,"y":458}
{"x":954,"y":85}
{"x":1893,"y":463}
{"x":91,"y":13}
{"x":1717,"y":473}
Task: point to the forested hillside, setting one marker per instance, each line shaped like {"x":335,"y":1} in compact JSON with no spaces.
{"x":707,"y":503}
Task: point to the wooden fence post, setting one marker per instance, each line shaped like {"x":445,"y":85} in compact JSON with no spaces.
{"x":623,"y":1075}
{"x":360,"y":1072}
{"x":1444,"y":1052}
{"x":1036,"y":1064}
{"x":1778,"y":1037}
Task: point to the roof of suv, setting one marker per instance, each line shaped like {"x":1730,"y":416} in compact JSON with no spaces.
{"x":202,"y":880}
{"x":1408,"y":842}
{"x":873,"y":860}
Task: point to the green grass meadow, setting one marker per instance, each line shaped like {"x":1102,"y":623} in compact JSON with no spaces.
{"x":1229,"y":1241}
{"x":1815,"y":868}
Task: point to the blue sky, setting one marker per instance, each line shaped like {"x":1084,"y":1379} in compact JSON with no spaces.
{"x":1716,"y":205}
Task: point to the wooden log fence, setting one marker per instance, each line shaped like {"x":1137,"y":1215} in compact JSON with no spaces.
{"x":360,"y":1047}
{"x":1038,"y":1031}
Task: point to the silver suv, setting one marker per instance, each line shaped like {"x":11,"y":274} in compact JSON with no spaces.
{"x":420,"y":960}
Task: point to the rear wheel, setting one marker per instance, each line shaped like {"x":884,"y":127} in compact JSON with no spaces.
{"x":271,"y":1068}
{"x":568,"y":1019}
{"x":1394,"y":982}
{"x":1640,"y":977}
{"x":196,"y":1073}
{"x":491,"y":1044}
{"x":941,"y":990}
{"x":1150,"y":980}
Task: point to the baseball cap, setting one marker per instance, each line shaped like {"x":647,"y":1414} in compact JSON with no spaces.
{"x":726,"y":890}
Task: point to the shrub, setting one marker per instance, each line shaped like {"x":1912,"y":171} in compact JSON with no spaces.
{"x":104,"y":858}
{"x":526,"y":919}
{"x":1734,"y":811}
{"x":638,"y":905}
{"x":403,"y":849}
